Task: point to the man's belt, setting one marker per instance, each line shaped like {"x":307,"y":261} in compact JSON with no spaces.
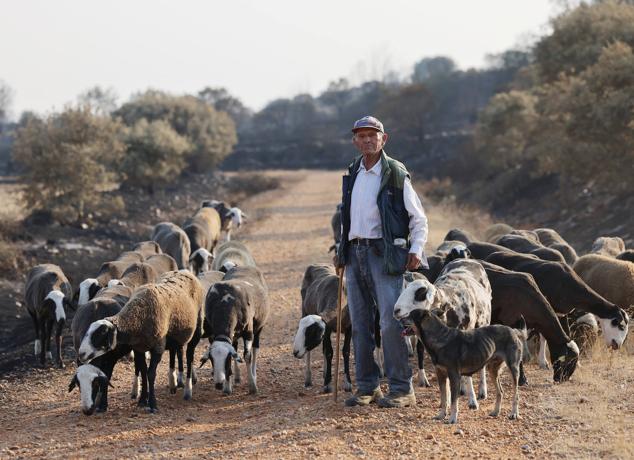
{"x":364,"y":241}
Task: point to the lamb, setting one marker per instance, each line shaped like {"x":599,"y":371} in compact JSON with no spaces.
{"x":526,"y":245}
{"x":166,"y":314}
{"x":613,"y":279}
{"x":229,"y":216}
{"x":162,"y":263}
{"x":608,"y":246}
{"x":627,"y":255}
{"x":335,"y":224}
{"x":457,"y":353}
{"x":93,"y":379}
{"x":147,"y":248}
{"x":203,"y":231}
{"x":237,"y":307}
{"x":319,"y":319}
{"x":463,"y":293}
{"x":230,"y":254}
{"x":173,"y":241}
{"x":47,"y":293}
{"x":566,"y":291}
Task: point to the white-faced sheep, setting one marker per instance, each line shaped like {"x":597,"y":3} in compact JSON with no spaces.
{"x":236,"y":307}
{"x":173,"y":241}
{"x":165,"y":314}
{"x":47,"y":294}
{"x":319,"y":320}
{"x":231,"y":254}
{"x":462,"y":293}
{"x":608,"y":246}
{"x":229,"y":216}
{"x":203,"y":231}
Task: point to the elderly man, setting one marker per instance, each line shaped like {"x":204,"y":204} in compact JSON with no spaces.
{"x":384,"y":230}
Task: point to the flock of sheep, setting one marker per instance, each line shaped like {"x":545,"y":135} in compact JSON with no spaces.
{"x":183,"y":285}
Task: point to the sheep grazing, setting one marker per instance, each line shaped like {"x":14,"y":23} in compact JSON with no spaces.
{"x":236,"y":307}
{"x":526,"y":245}
{"x":481,"y":251}
{"x":627,"y":255}
{"x":135,"y":275}
{"x":231,"y":254}
{"x":173,"y":241}
{"x":147,"y":248}
{"x":229,"y":216}
{"x":528,"y":234}
{"x":456,"y":234}
{"x":462,"y":293}
{"x":93,"y":379}
{"x":319,"y":319}
{"x":203,"y":231}
{"x":47,"y":293}
{"x":493,"y":232}
{"x":613,"y":279}
{"x":165,"y":314}
{"x":610,"y":246}
{"x":566,"y":291}
{"x":335,"y":224}
{"x":162,"y":263}
{"x":446,"y":247}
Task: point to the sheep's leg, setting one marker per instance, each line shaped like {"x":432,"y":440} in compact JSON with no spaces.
{"x":49,"y":334}
{"x":107,"y":369}
{"x":248,"y":357}
{"x":378,"y":352}
{"x":236,"y":367}
{"x":155,"y":359}
{"x":473,"y":401}
{"x":43,"y":338}
{"x":482,"y":389}
{"x":495,"y":369}
{"x":58,"y":343}
{"x":514,"y":369}
{"x":410,"y":348}
{"x":140,"y":366}
{"x":454,"y":383}
{"x":441,"y":375}
{"x":420,"y":355}
{"x":37,"y":346}
{"x":308,"y":377}
{"x":189,"y":354}
{"x":328,"y":353}
{"x":542,"y":359}
{"x":254,"y":362}
{"x":171,"y":376}
{"x":347,"y":384}
{"x":179,"y":356}
{"x":523,"y":380}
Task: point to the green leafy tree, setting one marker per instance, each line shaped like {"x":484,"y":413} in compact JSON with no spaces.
{"x":220,"y":99}
{"x":69,"y":159}
{"x":102,"y":101}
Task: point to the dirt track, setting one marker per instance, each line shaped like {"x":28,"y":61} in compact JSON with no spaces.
{"x":588,"y":417}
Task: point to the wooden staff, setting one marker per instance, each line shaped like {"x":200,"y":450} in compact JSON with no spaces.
{"x":339,"y":295}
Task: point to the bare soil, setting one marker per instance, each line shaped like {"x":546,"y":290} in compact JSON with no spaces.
{"x":591,"y":416}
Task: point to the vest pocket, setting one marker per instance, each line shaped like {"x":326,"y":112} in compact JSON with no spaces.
{"x":395,"y":259}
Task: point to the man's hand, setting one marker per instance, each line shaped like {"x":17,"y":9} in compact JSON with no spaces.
{"x":413,"y":262}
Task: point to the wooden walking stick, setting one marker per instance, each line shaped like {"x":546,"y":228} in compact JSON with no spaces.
{"x":339,"y":295}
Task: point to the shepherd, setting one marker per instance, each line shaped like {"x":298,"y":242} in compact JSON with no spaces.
{"x":384,"y":230}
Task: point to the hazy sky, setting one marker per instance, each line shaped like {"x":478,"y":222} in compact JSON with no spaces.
{"x":50,"y":51}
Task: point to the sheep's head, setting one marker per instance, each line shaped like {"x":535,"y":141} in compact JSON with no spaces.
{"x":237,"y":216}
{"x":87,"y":290}
{"x":228,"y":265}
{"x":55,"y":302}
{"x":100,"y":338}
{"x":564,"y":365}
{"x":418,"y":295}
{"x":220,"y":353}
{"x":200,"y":261}
{"x":310,"y":334}
{"x":92,"y":383}
{"x":615,"y":329}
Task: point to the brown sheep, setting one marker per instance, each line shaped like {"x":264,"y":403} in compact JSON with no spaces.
{"x":608,"y":246}
{"x":173,"y":241}
{"x":203,"y":231}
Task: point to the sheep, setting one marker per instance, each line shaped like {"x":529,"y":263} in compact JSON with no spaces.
{"x":568,"y":252}
{"x":456,"y":234}
{"x":230,"y":254}
{"x":608,"y":246}
{"x":446,"y":247}
{"x":203,"y":231}
{"x":481,"y":251}
{"x":463,"y":293}
{"x":528,"y":234}
{"x":566,"y":291}
{"x":147,"y":248}
{"x":319,"y":293}
{"x":493,"y":232}
{"x":526,"y":245}
{"x":130,"y":257}
{"x":173,"y":241}
{"x":108,"y":271}
{"x":627,"y":255}
{"x":135,"y":275}
{"x":548,"y":236}
{"x":93,"y":378}
{"x":236,"y":307}
{"x":162,"y":263}
{"x":165,"y":314}
{"x":335,"y":224}
{"x":47,"y":293}
{"x":613,"y":279}
{"x":229,"y":216}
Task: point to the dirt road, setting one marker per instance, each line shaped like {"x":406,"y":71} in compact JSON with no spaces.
{"x":588,"y":417}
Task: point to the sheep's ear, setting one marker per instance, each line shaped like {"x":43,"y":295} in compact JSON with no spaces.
{"x":73,"y":383}
{"x":420,"y":294}
{"x":244,"y":215}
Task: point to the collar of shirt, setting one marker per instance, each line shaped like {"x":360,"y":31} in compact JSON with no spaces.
{"x":376,"y":169}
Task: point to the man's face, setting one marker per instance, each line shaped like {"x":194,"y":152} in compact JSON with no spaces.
{"x":369,"y":141}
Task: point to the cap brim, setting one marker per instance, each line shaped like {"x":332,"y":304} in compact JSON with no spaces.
{"x":354,"y":130}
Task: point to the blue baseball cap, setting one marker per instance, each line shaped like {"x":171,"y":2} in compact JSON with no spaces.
{"x":368,"y":122}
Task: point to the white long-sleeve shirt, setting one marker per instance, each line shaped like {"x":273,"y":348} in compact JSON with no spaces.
{"x":365,"y":219}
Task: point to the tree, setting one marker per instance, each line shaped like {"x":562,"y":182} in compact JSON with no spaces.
{"x":69,"y":159}
{"x":432,"y":68}
{"x":155,"y":154}
{"x":408,"y":110}
{"x":220,"y":99}
{"x":100,"y":101}
{"x":6,"y":98}
{"x":211,"y":134}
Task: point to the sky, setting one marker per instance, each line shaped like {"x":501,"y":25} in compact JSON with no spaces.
{"x":51,"y":51}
